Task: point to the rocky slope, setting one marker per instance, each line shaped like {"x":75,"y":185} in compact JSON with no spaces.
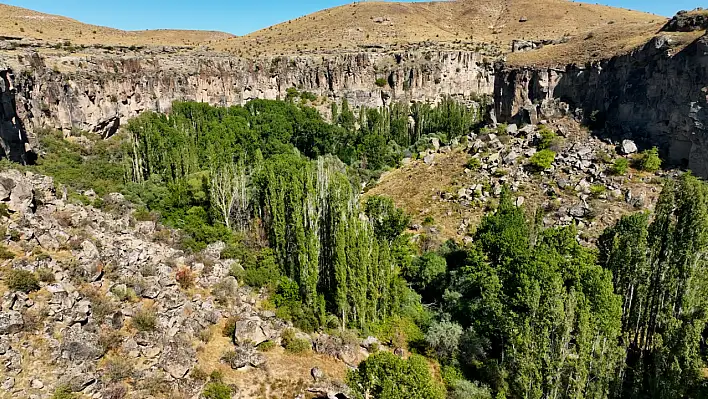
{"x":112,"y":316}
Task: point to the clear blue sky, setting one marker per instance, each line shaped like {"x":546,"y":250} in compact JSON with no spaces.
{"x":235,"y":16}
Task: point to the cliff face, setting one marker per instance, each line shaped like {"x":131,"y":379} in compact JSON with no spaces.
{"x":651,"y":95}
{"x":99,"y":93}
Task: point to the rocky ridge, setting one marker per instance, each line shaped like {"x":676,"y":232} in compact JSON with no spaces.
{"x":112,"y":313}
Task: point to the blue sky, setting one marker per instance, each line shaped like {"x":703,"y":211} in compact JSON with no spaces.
{"x":235,"y":16}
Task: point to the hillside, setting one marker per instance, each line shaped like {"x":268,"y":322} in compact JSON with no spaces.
{"x":24,"y":23}
{"x":462,"y":23}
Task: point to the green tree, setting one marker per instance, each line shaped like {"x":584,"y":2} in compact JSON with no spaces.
{"x":386,"y":376}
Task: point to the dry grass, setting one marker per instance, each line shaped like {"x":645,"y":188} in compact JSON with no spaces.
{"x":419,"y":190}
{"x":459,"y":24}
{"x":387,"y":23}
{"x":285,"y":375}
{"x":24,"y":23}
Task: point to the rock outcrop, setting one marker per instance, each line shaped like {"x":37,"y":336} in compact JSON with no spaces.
{"x":652,"y":95}
{"x":100,"y":92}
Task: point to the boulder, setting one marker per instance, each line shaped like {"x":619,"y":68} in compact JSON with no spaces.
{"x":177,"y":359}
{"x":17,"y":190}
{"x":80,"y":345}
{"x":10,"y":322}
{"x":249,"y":331}
{"x":628,"y":147}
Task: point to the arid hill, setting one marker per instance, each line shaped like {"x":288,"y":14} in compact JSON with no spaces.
{"x":24,"y":23}
{"x":461,"y":23}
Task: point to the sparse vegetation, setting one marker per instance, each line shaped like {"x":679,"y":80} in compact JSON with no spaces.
{"x":293,"y":344}
{"x":649,"y":160}
{"x":381,"y":82}
{"x":542,"y":160}
{"x":145,"y":319}
{"x":620,"y":167}
{"x":21,"y":280}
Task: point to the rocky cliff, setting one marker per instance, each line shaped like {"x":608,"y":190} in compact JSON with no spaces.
{"x":98,"y":92}
{"x":654,"y":95}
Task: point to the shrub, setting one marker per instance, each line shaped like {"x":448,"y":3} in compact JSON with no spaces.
{"x":398,"y":378}
{"x":63,"y":392}
{"x":216,"y":390}
{"x":293,"y":344}
{"x":229,"y":327}
{"x":443,"y":339}
{"x":620,"y":167}
{"x":145,"y":320}
{"x":117,"y":368}
{"x":649,"y":160}
{"x":381,"y":82}
{"x":473,"y":164}
{"x":542,"y":160}
{"x":548,"y":139}
{"x":596,"y":190}
{"x":198,"y":374}
{"x":185,"y":278}
{"x":266,"y":346}
{"x":6,"y":253}
{"x":463,"y":389}
{"x":110,"y":339}
{"x":46,"y":275}
{"x":21,"y":280}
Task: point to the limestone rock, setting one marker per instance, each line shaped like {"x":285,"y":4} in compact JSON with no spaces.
{"x":628,"y":147}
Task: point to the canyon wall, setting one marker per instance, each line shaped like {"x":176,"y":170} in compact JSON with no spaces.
{"x":98,"y":93}
{"x":655,"y":95}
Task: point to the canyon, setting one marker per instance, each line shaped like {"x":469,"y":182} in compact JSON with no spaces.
{"x":632,"y":95}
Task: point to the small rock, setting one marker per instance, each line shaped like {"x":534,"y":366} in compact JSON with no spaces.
{"x":512,"y":129}
{"x":429,"y":159}
{"x":37,"y":384}
{"x":520,"y":201}
{"x":316,"y":373}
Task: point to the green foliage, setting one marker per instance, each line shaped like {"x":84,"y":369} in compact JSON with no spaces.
{"x":620,"y":167}
{"x":63,"y":392}
{"x":658,"y":265}
{"x":473,"y":164}
{"x":548,"y":140}
{"x":386,"y":376}
{"x":381,"y":82}
{"x":463,"y":389}
{"x":649,"y":160}
{"x":596,"y":190}
{"x":21,"y":280}
{"x":389,"y":222}
{"x":266,"y":346}
{"x":443,"y":339}
{"x":293,"y":344}
{"x":217,"y":390}
{"x":542,"y":160}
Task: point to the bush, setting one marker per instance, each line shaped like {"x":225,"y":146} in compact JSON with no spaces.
{"x":185,"y":278}
{"x":6,"y":253}
{"x":548,"y":139}
{"x":381,"y":82}
{"x":229,"y":327}
{"x":266,"y":346}
{"x":46,"y":275}
{"x":463,"y":389}
{"x":620,"y":167}
{"x":198,"y":374}
{"x":649,"y":160}
{"x":443,"y":339}
{"x":384,"y":373}
{"x":21,"y":280}
{"x":63,"y":392}
{"x":542,"y":160}
{"x":473,"y":164}
{"x":293,"y":344}
{"x":145,"y":320}
{"x":596,"y":190}
{"x":117,"y":368}
{"x":217,"y":390}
